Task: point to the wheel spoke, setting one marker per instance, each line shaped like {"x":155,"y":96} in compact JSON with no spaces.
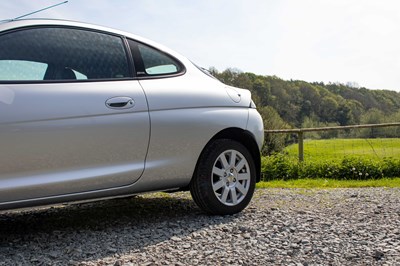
{"x":224,"y":162}
{"x":218,"y":185}
{"x":241,"y":188}
{"x":234,"y":195}
{"x":233,"y":159}
{"x":243,"y":176}
{"x":240,"y":165}
{"x":225,"y":195}
{"x":217,"y":171}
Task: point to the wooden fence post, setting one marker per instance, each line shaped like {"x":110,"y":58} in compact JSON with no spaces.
{"x":301,"y":146}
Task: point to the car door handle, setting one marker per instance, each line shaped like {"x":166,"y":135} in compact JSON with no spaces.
{"x":120,"y":103}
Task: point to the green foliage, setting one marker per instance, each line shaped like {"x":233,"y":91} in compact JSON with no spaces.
{"x":299,"y":104}
{"x":296,"y":100}
{"x":331,"y":149}
{"x":287,"y":104}
{"x":322,"y":183}
{"x":391,"y":167}
{"x":271,"y":119}
{"x":359,"y":169}
{"x":281,"y":167}
{"x":343,"y":159}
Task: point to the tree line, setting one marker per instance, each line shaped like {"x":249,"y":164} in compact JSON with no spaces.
{"x":301,"y":104}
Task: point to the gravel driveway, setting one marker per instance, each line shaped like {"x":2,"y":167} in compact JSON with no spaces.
{"x":281,"y":226}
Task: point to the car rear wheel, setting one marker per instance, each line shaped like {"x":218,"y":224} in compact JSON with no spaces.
{"x":225,"y":178}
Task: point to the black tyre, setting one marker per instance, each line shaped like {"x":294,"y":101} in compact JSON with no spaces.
{"x":225,"y":178}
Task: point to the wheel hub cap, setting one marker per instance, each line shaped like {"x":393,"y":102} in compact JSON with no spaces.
{"x":231,"y":177}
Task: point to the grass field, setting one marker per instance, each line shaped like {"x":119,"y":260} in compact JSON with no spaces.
{"x":336,"y":149}
{"x":336,"y":159}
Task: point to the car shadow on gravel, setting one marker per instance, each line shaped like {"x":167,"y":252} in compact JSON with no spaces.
{"x":92,"y":231}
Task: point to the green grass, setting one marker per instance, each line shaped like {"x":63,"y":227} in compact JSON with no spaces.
{"x":334,"y":149}
{"x":330,"y":183}
{"x":349,"y":160}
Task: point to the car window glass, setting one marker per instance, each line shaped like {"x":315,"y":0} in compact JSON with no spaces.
{"x":156,"y":62}
{"x":79,"y":75}
{"x":22,"y":70}
{"x":64,"y":54}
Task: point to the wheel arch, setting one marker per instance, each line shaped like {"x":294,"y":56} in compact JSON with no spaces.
{"x":244,"y":137}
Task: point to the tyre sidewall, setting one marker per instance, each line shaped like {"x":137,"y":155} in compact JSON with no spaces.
{"x":203,"y":177}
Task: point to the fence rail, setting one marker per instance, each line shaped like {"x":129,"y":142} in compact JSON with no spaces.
{"x":300,"y":132}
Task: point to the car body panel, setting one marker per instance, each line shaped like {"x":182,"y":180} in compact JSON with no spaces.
{"x":178,"y":138}
{"x":59,"y":138}
{"x":186,"y":112}
{"x":256,"y":127}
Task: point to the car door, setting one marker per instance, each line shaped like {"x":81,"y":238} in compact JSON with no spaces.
{"x":72,"y":119}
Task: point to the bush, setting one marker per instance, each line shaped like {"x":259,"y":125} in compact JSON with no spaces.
{"x":284,"y":167}
{"x":279,"y":166}
{"x":360,"y":169}
{"x":391,"y":167}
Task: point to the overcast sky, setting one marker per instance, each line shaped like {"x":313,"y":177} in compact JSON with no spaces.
{"x":313,"y":40}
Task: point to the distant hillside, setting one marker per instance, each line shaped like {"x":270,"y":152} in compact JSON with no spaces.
{"x":297,"y":103}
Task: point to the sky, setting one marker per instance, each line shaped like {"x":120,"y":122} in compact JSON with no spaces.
{"x":355,"y":41}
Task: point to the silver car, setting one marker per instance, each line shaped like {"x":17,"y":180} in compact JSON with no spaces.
{"x":88,"y":112}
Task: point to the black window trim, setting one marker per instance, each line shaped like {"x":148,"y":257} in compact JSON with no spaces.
{"x":131,"y":65}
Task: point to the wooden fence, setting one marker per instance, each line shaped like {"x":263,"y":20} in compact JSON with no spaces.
{"x":300,"y":132}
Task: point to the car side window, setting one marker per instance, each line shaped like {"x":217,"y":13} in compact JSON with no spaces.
{"x":156,"y":62}
{"x":61,"y":54}
{"x":152,"y":62}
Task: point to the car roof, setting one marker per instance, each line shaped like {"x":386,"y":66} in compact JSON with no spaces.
{"x":19,"y":23}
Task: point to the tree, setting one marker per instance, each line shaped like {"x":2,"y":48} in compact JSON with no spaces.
{"x":295,"y":101}
{"x":328,"y":110}
{"x":273,"y":142}
{"x":344,"y":114}
{"x":372,"y":116}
